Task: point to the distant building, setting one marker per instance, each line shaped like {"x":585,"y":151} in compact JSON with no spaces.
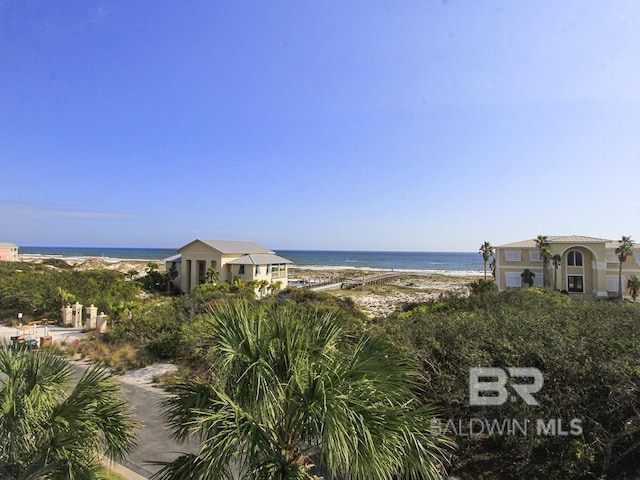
{"x":232,"y":259}
{"x":8,"y":252}
{"x":588,"y":265}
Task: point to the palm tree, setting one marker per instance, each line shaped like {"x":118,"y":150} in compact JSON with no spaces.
{"x":65,"y":297}
{"x":492,"y":266}
{"x":124,"y":310}
{"x":487,"y":251}
{"x":623,"y":250}
{"x":542,"y":243}
{"x":263,"y":285}
{"x":132,"y":274}
{"x":213,"y":275}
{"x":633,"y":284}
{"x":274,"y":287}
{"x":556,"y":259}
{"x":546,"y":254}
{"x":289,"y":391}
{"x":50,"y":429}
{"x":171,"y":275}
{"x":254,"y":285}
{"x":151,"y":267}
{"x":527,"y":277}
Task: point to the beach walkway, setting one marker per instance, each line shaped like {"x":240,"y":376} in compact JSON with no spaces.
{"x":371,"y":280}
{"x":336,"y":283}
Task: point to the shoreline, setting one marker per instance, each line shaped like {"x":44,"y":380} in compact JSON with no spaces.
{"x":141,"y":263}
{"x":340,"y":268}
{"x":409,"y":286}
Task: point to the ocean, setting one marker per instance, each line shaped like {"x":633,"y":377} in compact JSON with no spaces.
{"x":420,"y":262}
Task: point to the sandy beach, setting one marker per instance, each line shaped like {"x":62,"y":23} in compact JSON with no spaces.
{"x":381,"y":300}
{"x":374,"y":300}
{"x":98,"y":263}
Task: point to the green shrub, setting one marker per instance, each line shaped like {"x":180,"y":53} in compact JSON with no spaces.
{"x":33,"y":289}
{"x":588,"y":352}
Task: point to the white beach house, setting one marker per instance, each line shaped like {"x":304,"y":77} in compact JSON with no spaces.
{"x":231,"y":258}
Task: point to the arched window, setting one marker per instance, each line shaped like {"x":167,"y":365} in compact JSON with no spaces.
{"x":574,"y":258}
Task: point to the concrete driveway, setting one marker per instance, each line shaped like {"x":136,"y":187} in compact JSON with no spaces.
{"x":35,"y":332}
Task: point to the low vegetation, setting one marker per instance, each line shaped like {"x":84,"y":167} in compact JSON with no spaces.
{"x":39,"y":290}
{"x":588,"y":353}
{"x":289,"y":390}
{"x":589,"y":356}
{"x":55,"y":425}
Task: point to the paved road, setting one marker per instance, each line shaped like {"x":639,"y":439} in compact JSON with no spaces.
{"x":155,"y":440}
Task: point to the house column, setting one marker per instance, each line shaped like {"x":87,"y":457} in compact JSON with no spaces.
{"x":185,"y":275}
{"x":194,"y":275}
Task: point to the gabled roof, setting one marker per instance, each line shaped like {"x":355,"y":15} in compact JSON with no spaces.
{"x":231,"y":246}
{"x":556,"y":239}
{"x":175,"y":258}
{"x":259,"y":259}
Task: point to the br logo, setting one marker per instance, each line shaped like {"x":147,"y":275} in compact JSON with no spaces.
{"x":487,"y":386}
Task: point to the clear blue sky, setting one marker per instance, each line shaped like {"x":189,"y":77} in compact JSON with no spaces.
{"x":374,"y":125}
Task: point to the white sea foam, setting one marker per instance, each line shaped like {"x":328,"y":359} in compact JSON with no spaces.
{"x":457,"y":273}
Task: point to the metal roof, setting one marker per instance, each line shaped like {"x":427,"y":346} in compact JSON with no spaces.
{"x":175,"y":258}
{"x":259,"y":259}
{"x":8,"y":245}
{"x":232,"y":246}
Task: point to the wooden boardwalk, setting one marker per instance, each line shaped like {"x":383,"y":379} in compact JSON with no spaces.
{"x":371,"y":280}
{"x":335,"y":283}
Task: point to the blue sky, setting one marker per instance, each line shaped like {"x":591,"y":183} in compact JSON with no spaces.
{"x":377,"y":125}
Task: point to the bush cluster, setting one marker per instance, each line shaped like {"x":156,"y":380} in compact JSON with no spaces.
{"x":33,"y":289}
{"x":588,"y":352}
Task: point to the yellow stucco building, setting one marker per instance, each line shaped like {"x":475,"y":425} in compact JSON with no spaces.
{"x":588,"y":265}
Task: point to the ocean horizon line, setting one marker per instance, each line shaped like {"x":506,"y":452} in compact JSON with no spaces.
{"x":381,"y":260}
{"x":332,"y":250}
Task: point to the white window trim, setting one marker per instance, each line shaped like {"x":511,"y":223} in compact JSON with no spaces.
{"x":537,"y":280}
{"x":511,"y":278}
{"x":574,"y":258}
{"x":612,"y":283}
{"x":513,"y":255}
